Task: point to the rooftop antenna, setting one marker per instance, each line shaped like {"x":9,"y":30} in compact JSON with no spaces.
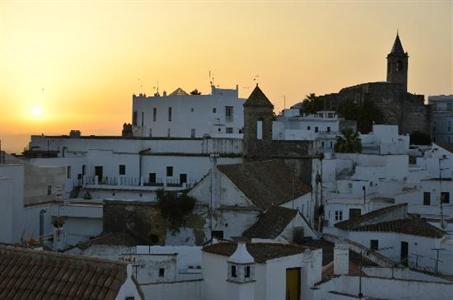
{"x":284,"y":102}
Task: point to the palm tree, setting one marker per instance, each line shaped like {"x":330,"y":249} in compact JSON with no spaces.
{"x":348,"y":142}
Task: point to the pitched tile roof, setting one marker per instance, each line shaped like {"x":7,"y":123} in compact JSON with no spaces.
{"x":412,"y":225}
{"x":266,"y":183}
{"x":261,"y":252}
{"x":258,"y":98}
{"x":271,"y":223}
{"x":112,"y":239}
{"x":32,"y":274}
{"x":376,"y":216}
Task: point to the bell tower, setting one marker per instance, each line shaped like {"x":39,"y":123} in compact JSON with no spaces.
{"x":397,"y":64}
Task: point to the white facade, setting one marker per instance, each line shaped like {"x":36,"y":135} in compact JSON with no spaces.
{"x":181,"y":115}
{"x":384,"y":139}
{"x":442,"y":118}
{"x":133,"y":168}
{"x":323,"y":127}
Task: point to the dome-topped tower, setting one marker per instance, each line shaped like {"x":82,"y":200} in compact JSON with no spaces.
{"x":397,"y":64}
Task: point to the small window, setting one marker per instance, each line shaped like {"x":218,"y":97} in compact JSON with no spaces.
{"x":192,"y":133}
{"x":68,"y":172}
{"x":169,"y":114}
{"x":217,"y":234}
{"x":229,"y":130}
{"x":214,"y":110}
{"x":161,"y":272}
{"x":445,"y":197}
{"x":183,"y":178}
{"x":426,"y":198}
{"x":168,"y":132}
{"x":84,"y":169}
{"x":191,"y":110}
{"x":328,"y":129}
{"x":150,"y":132}
{"x":130,"y":298}
{"x":49,"y":190}
{"x":154,"y":114}
{"x":229,"y":113}
{"x":233,"y":271}
{"x":316,"y":129}
{"x":338,"y":215}
{"x":169,"y":171}
{"x":122,"y":170}
{"x":308,"y":127}
{"x":143,"y":118}
{"x":374,"y":244}
{"x":134,"y":118}
{"x":247,"y":272}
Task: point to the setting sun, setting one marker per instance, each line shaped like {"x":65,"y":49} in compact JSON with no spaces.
{"x":36,"y":111}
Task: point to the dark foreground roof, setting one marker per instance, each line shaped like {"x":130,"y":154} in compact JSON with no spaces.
{"x":271,"y":223}
{"x":32,"y":274}
{"x":112,"y":239}
{"x":266,"y":183}
{"x":412,"y":225}
{"x":258,"y":98}
{"x":261,"y":252}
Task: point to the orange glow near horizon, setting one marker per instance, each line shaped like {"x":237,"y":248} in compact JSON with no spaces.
{"x":75,"y":64}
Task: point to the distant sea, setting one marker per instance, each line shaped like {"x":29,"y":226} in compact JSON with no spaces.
{"x":14,"y":143}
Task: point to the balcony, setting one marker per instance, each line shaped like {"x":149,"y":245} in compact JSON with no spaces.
{"x":135,"y":183}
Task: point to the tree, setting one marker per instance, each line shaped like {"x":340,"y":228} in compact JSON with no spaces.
{"x":311,"y":104}
{"x":348,"y":142}
{"x":195,"y":92}
{"x":175,"y":208}
{"x":420,"y":138}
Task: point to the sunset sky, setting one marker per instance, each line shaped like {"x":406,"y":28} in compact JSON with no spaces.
{"x":75,"y":64}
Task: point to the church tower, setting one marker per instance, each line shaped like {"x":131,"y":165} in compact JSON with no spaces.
{"x":258,"y":117}
{"x":397,"y":64}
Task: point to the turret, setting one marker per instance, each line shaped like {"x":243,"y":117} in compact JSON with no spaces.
{"x":397,"y":64}
{"x":241,"y":274}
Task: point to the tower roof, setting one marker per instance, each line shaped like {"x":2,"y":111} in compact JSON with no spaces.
{"x":257,"y":98}
{"x":397,"y":46}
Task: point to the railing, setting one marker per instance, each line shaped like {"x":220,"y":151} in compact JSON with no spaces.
{"x":134,"y":182}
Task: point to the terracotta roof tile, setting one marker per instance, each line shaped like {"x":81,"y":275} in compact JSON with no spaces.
{"x":261,"y":252}
{"x":271,"y":223}
{"x":30,"y":274}
{"x":266,"y":183}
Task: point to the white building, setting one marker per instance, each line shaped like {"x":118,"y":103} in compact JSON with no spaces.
{"x":384,"y":139}
{"x":183,"y":115}
{"x":131,"y":168}
{"x":262,"y":271}
{"x":442,"y":118}
{"x":322,"y":127}
{"x":237,"y":194}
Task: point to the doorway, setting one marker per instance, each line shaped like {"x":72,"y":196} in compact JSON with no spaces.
{"x":99,"y":172}
{"x":293,"y":284}
{"x":404,"y":253}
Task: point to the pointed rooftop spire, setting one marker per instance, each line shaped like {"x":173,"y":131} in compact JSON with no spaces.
{"x":258,"y":98}
{"x":397,"y":46}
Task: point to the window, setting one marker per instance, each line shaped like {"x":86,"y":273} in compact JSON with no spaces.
{"x":229,"y":113}
{"x":449,"y":106}
{"x":192,"y":133}
{"x":229,"y":130}
{"x":68,"y":172}
{"x":354,"y":213}
{"x":150,"y":132}
{"x":168,"y":132}
{"x":152,"y":177}
{"x":122,"y":169}
{"x":214,"y":110}
{"x":49,"y":190}
{"x":338,"y":215}
{"x":247,"y":272}
{"x":217,"y":234}
{"x":169,"y":114}
{"x":445,"y":197}
{"x":84,"y":169}
{"x":191,"y":110}
{"x":308,"y":127}
{"x":233,"y":271}
{"x":154,"y":114}
{"x":130,"y":298}
{"x":161,"y":272}
{"x":169,"y":171}
{"x":374,"y":244}
{"x":143,"y":118}
{"x":328,"y":128}
{"x":183,"y":178}
{"x":316,"y":129}
{"x":426,"y":198}
{"x":134,"y":118}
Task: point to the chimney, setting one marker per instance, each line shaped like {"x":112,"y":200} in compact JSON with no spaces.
{"x":340,"y":259}
{"x":241,"y":274}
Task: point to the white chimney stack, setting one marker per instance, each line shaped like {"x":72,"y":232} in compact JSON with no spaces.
{"x":340,"y":259}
